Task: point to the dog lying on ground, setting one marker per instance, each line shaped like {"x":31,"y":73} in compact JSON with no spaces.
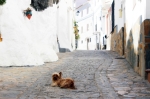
{"x":58,"y":81}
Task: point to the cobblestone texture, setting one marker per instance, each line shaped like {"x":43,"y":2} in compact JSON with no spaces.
{"x":97,"y":75}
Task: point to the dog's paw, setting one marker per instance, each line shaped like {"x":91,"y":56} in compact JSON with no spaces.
{"x":54,"y":85}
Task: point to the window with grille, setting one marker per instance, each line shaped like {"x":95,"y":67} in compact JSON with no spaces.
{"x":87,"y":27}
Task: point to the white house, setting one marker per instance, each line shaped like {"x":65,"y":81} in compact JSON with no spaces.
{"x":32,"y":41}
{"x":90,"y":24}
{"x":129,"y":20}
{"x":27,"y":41}
{"x":65,"y":19}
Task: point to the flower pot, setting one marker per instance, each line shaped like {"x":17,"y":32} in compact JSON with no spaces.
{"x":29,"y":16}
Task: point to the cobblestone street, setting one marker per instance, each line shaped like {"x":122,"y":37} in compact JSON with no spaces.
{"x":97,"y":75}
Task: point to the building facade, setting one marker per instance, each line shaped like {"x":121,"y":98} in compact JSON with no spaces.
{"x":130,"y":34}
{"x":65,"y":20}
{"x":30,"y":31}
{"x":89,"y":20}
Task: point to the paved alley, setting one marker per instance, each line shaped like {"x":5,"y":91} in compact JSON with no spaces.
{"x":97,"y":75}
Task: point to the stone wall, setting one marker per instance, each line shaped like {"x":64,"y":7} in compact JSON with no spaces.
{"x":135,"y":45}
{"x":117,"y":41}
{"x":114,"y":39}
{"x":143,"y":55}
{"x":145,"y":46}
{"x":124,"y":40}
{"x":146,"y":33}
{"x":121,"y":42}
{"x":133,"y":53}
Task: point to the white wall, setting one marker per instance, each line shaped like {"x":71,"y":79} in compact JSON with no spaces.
{"x":119,"y":20}
{"x":65,"y":25}
{"x":27,"y":42}
{"x":108,"y":28}
{"x":85,"y":34}
{"x":104,"y":29}
{"x":100,"y":24}
{"x":132,"y":16}
{"x":147,"y":9}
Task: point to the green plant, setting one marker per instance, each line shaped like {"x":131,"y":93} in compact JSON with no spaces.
{"x":76,"y":30}
{"x":2,"y":2}
{"x":77,"y":36}
{"x":75,"y":23}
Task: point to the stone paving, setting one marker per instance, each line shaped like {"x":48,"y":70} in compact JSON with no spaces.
{"x":97,"y":75}
{"x":125,"y":81}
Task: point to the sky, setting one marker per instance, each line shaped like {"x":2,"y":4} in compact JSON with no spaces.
{"x":80,"y":2}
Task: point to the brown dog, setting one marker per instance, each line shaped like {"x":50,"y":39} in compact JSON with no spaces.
{"x":57,"y":80}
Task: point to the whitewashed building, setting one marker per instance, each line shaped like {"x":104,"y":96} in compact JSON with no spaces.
{"x":135,"y":18}
{"x":65,"y":19}
{"x":89,"y":20}
{"x":128,"y":32}
{"x":32,"y":42}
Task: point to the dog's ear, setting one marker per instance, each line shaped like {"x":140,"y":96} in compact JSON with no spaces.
{"x":60,"y":73}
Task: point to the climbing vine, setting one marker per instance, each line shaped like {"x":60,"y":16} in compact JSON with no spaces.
{"x":76,"y":31}
{"x":2,"y":2}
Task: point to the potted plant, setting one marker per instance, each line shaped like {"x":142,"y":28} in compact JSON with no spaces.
{"x":28,"y":13}
{"x":76,"y":31}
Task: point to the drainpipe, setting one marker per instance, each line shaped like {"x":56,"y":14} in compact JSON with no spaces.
{"x":99,"y":41}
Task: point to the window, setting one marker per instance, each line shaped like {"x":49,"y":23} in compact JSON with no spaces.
{"x":82,"y":13}
{"x":82,"y":29}
{"x":88,"y":10}
{"x":95,"y":27}
{"x":87,"y":27}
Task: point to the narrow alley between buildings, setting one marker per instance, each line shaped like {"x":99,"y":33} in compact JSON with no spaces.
{"x":97,"y":75}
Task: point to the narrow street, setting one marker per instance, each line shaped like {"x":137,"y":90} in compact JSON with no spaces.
{"x":97,"y":75}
